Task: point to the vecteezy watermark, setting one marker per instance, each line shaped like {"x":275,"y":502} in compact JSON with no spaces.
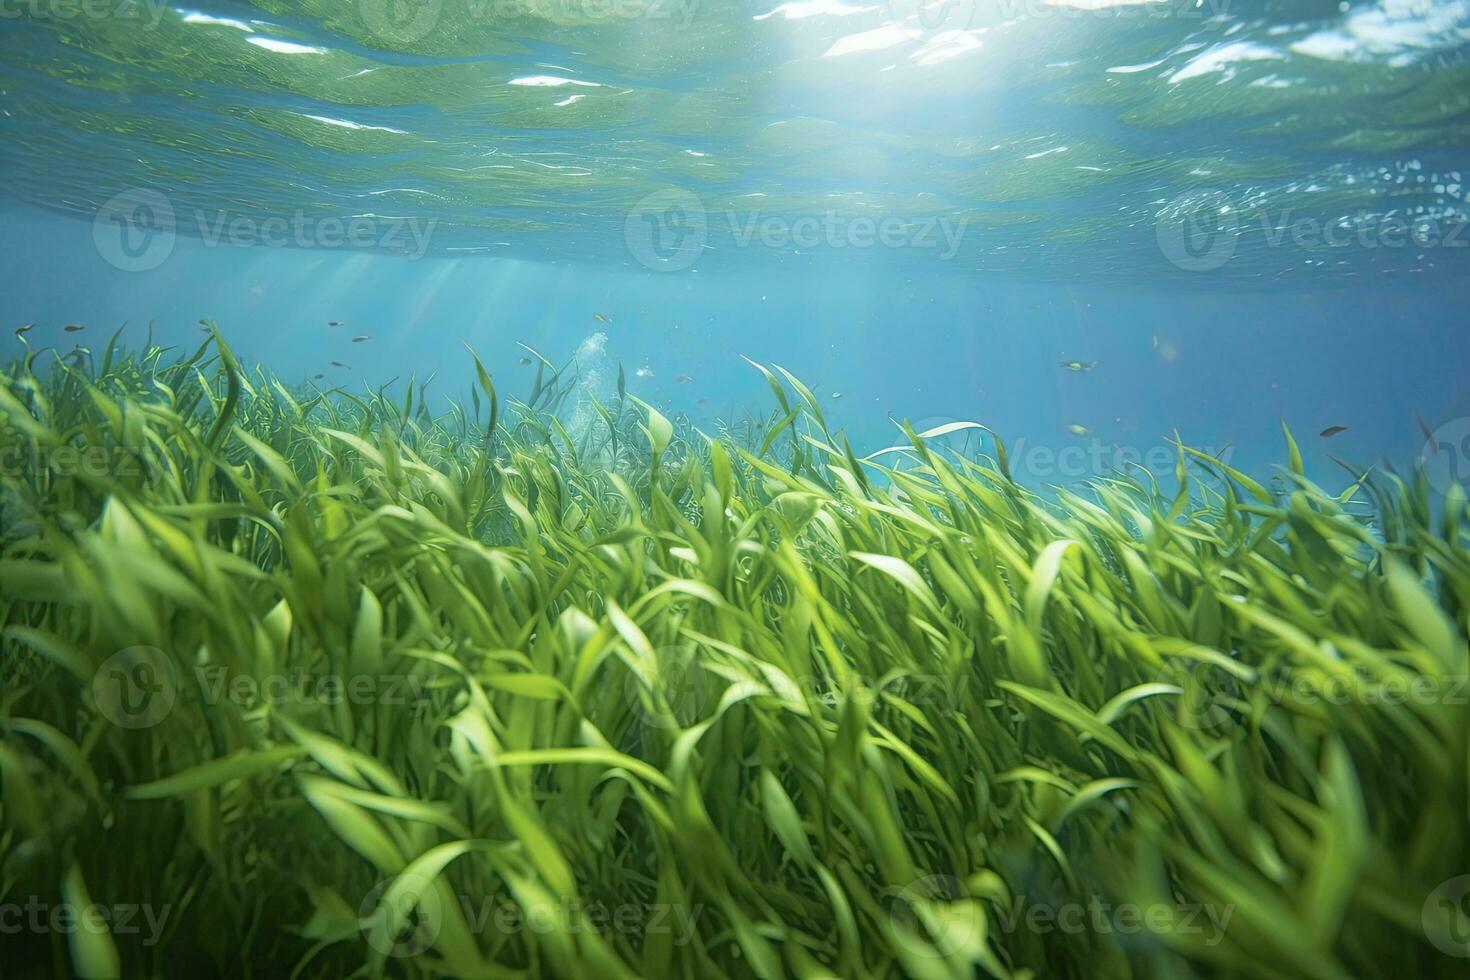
{"x":146,"y":12}
{"x":1209,"y":694}
{"x":934,"y":916}
{"x":933,"y":18}
{"x":1446,"y":917}
{"x":136,"y":687}
{"x":1198,"y":232}
{"x":675,"y":691}
{"x":410,"y":21}
{"x":304,"y":688}
{"x":833,"y":230}
{"x":136,"y":231}
{"x":669,"y":229}
{"x":674,"y":919}
{"x":400,"y":21}
{"x":919,"y":688}
{"x":1446,"y":455}
{"x":139,"y":687}
{"x":1092,"y":457}
{"x":670,"y":691}
{"x":98,"y":462}
{"x":1097,"y":917}
{"x":402,"y":916}
{"x":1201,"y":232}
{"x":38,"y":916}
{"x":406,"y":236}
{"x":1079,"y":458}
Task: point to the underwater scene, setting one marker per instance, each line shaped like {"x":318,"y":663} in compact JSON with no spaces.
{"x":929,"y":489}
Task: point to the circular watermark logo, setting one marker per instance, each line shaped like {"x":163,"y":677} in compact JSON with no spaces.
{"x":672,"y":692}
{"x":1446,"y":455}
{"x":1198,"y":232}
{"x":666,"y":231}
{"x":400,"y":21}
{"x":407,"y":923}
{"x":929,"y":18}
{"x":1202,"y":701}
{"x":917,"y":910}
{"x":135,"y":687}
{"x":135,"y":231}
{"x":1446,"y":917}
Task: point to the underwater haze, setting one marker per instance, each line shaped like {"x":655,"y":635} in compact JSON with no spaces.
{"x":1219,"y":366}
{"x":1241,"y":211}
{"x":735,"y":488}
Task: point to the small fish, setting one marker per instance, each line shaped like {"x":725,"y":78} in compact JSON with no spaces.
{"x":317,"y":377}
{"x":1079,"y":430}
{"x":836,"y":395}
{"x":602,"y":318}
{"x":1331,"y":431}
{"x":334,"y":323}
{"x":360,"y":338}
{"x":644,"y":372}
{"x":1424,"y":428}
{"x":683,"y":379}
{"x":340,"y":365}
{"x":73,"y":327}
{"x":525,"y":360}
{"x":702,"y":401}
{"x":1156,"y":342}
{"x":1079,"y":365}
{"x":22,"y":331}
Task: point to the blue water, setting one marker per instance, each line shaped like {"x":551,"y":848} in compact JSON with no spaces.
{"x":1242,"y":213}
{"x":928,"y":350}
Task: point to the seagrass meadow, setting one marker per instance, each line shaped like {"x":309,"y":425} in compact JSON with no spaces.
{"x":330,"y":683}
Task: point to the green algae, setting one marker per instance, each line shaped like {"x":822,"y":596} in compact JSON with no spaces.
{"x":463,"y":691}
